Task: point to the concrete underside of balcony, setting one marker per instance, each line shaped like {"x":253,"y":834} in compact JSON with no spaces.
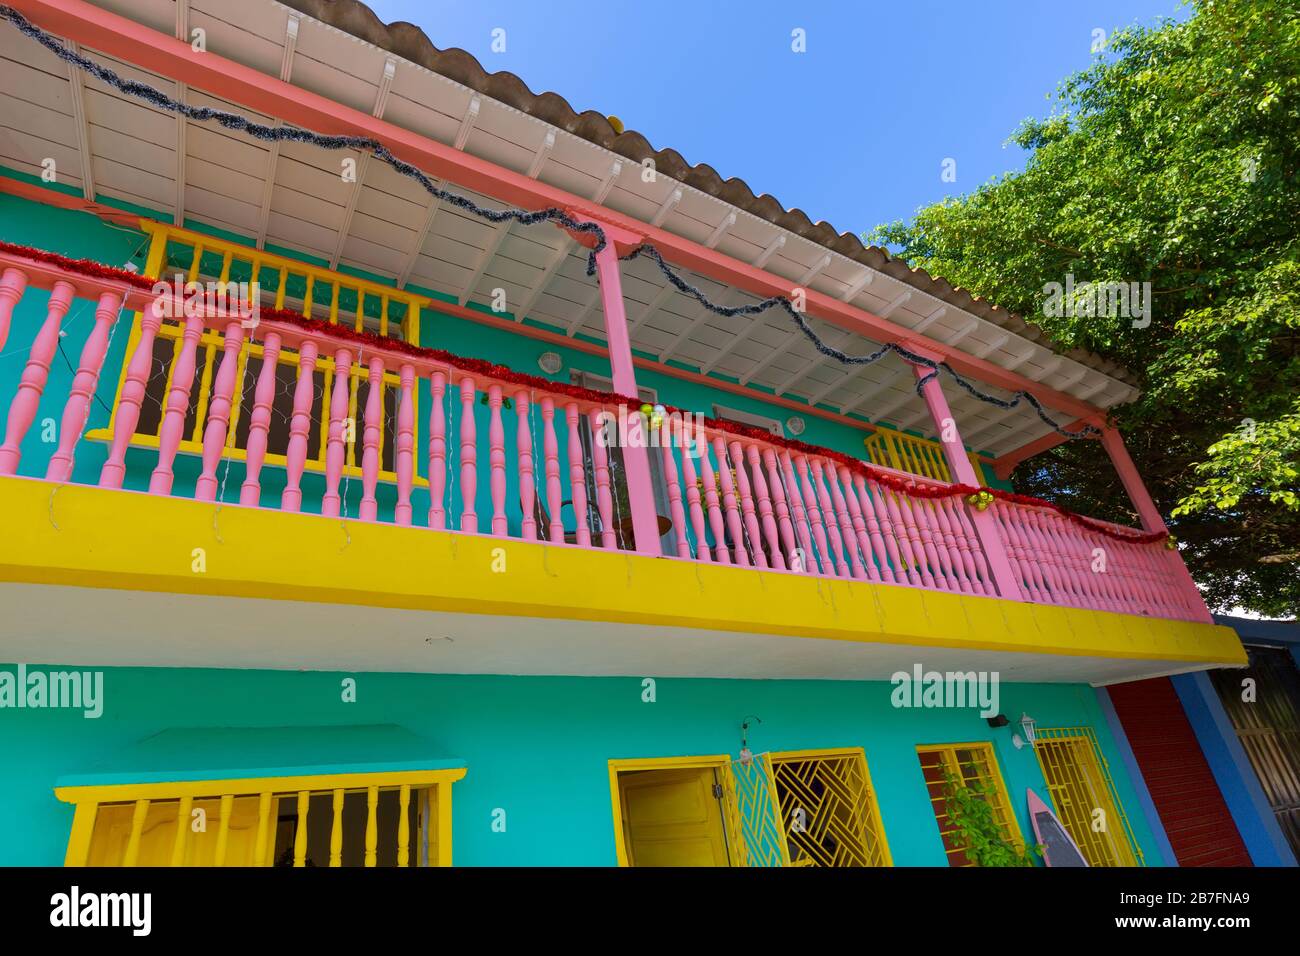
{"x":97,"y":577}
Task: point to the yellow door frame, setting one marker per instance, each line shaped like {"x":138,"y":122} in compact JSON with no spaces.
{"x":719,"y":763}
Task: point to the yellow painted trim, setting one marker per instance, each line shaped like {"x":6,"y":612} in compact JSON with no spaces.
{"x":93,"y":537}
{"x":248,"y":786}
{"x":735,"y":841}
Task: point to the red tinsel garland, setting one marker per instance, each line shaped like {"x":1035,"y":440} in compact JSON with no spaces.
{"x":915,"y":488}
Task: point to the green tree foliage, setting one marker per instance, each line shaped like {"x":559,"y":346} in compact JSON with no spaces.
{"x":1172,"y":160}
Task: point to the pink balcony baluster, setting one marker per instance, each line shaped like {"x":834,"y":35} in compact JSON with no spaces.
{"x":844,"y":521}
{"x":468,"y":457}
{"x":600,"y":464}
{"x":858,"y":523}
{"x":577,"y":477}
{"x":972,"y":554}
{"x":22,"y":410}
{"x":663,"y":437}
{"x":806,"y":561}
{"x":12,"y":284}
{"x":777,"y":483}
{"x":299,"y":427}
{"x":127,"y":415}
{"x":823,"y":553}
{"x":909,"y":542}
{"x":947,"y":540}
{"x":217,"y":429}
{"x":259,"y":423}
{"x":741,"y":553}
{"x":404,"y":459}
{"x":171,"y":432}
{"x":497,"y":460}
{"x":528,"y":490}
{"x":84,"y":383}
{"x":437,"y":451}
{"x":902,"y":570}
{"x":551,"y":452}
{"x":336,"y":448}
{"x":1031,"y":575}
{"x":746,"y":492}
{"x":1044,"y":550}
{"x":958,"y":547}
{"x":936,"y":558}
{"x":1081,"y":577}
{"x":827,"y":510}
{"x":710,"y":481}
{"x":374,"y":420}
{"x":878,"y":550}
{"x":692,"y":480}
{"x":765,"y":517}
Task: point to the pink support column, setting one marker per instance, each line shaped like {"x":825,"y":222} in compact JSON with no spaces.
{"x":12,"y":284}
{"x":468,"y":458}
{"x":437,"y":452}
{"x":84,"y":383}
{"x":259,"y":422}
{"x":636,"y":460}
{"x":127,"y":415}
{"x":368,"y":510}
{"x":336,"y":447}
{"x":404,"y":459}
{"x":963,"y":473}
{"x":299,"y":426}
{"x":218,"y":426}
{"x":22,"y":410}
{"x":1113,"y":442}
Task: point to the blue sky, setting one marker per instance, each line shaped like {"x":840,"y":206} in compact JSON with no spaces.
{"x":855,"y":130}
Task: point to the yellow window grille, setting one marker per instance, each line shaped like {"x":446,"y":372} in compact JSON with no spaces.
{"x":828,"y":809}
{"x":973,"y":764}
{"x":401,"y":818}
{"x":1083,"y":792}
{"x":916,"y":456}
{"x":285,"y":284}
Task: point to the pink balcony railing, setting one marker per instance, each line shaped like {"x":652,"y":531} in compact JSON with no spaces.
{"x":528,"y":463}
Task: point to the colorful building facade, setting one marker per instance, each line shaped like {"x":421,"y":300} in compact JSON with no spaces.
{"x":494,"y":534}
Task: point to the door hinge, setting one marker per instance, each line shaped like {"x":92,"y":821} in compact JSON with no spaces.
{"x":717,"y":790}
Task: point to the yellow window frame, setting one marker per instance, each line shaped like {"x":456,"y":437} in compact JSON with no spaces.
{"x":1080,"y":783}
{"x":89,"y":800}
{"x":866,"y":836}
{"x":992,"y":779}
{"x":916,"y":456}
{"x":212,"y":340}
{"x":719,"y":763}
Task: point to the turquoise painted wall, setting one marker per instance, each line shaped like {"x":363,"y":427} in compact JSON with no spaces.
{"x":538,"y":747}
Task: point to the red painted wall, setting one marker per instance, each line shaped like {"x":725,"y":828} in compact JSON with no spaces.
{"x":1182,"y":786}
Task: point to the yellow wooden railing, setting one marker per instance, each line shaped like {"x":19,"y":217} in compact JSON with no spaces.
{"x":916,"y":456}
{"x":287,"y":821}
{"x":284,"y":283}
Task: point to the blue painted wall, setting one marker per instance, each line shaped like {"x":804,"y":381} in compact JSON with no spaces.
{"x":539,"y":747}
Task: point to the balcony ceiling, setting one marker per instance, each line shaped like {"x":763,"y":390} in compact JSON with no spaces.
{"x":293,"y":196}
